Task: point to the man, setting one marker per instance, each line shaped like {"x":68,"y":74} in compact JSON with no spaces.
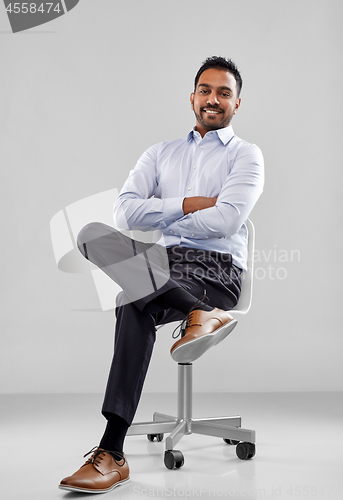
{"x":198,"y":192}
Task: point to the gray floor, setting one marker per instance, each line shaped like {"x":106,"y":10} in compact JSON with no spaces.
{"x":299,"y":443}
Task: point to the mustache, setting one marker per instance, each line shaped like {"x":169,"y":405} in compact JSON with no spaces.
{"x":210,"y":106}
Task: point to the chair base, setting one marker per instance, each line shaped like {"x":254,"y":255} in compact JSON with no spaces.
{"x":228,"y":428}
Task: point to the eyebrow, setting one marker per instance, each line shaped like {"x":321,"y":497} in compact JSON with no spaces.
{"x":209,"y":86}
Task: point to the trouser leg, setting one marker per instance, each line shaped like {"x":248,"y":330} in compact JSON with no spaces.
{"x":134,"y":341}
{"x":140,"y":269}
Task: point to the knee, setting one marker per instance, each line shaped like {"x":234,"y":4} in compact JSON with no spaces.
{"x":88,"y":233}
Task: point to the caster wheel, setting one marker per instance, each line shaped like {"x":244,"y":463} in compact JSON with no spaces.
{"x":230,"y":441}
{"x":155,"y":437}
{"x":245,"y":451}
{"x":173,"y":459}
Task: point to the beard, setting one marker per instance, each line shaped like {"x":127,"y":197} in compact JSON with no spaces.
{"x":205,"y":121}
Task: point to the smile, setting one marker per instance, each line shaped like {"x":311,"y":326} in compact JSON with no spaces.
{"x":212,"y":111}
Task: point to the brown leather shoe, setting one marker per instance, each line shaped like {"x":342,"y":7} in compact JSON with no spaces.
{"x":101,"y":473}
{"x":204,"y":329}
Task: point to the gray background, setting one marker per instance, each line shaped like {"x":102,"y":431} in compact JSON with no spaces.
{"x":83,"y":96}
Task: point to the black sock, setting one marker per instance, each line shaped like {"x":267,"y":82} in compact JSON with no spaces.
{"x":181,"y":300}
{"x":115,"y":432}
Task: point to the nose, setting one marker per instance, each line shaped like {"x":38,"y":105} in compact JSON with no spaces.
{"x":212,"y":99}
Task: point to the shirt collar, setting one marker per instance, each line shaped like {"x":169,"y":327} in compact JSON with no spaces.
{"x":224,"y":134}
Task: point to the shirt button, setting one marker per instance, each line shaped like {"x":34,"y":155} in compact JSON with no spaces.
{"x":189,"y":189}
{"x":194,"y":166}
{"x":192,"y":234}
{"x":201,"y":147}
{"x":171,"y":232}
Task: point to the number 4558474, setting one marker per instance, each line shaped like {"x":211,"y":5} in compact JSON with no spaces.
{"x":32,"y":8}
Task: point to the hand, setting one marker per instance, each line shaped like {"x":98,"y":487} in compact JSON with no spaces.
{"x":195,"y":203}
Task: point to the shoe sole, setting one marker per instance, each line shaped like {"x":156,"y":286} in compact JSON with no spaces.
{"x":192,"y":350}
{"x":85,"y":490}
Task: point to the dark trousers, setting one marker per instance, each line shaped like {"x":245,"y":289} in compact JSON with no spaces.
{"x":145,"y":271}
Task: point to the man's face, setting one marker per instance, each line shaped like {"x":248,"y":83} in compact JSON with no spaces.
{"x":215,"y":100}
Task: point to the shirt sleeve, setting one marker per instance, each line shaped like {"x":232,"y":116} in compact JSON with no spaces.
{"x":241,"y":190}
{"x":136,"y":207}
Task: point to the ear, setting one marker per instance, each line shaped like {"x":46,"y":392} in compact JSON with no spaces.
{"x":238,"y":103}
{"x":192,"y":99}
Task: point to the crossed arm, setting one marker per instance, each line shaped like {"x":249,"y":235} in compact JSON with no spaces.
{"x":140,"y":206}
{"x":195,"y":203}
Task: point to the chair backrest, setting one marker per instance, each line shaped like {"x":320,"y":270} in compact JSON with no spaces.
{"x":244,"y":302}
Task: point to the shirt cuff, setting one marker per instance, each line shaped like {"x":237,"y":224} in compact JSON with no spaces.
{"x":172,"y":209}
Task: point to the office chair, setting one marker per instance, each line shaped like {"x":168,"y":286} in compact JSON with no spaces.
{"x":227,"y":428}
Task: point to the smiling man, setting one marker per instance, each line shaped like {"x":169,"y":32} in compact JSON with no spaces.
{"x":198,"y":191}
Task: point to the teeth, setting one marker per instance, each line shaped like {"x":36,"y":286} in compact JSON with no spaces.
{"x":209,"y":111}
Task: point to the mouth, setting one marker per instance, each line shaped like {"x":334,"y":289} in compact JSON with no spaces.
{"x":211,"y":111}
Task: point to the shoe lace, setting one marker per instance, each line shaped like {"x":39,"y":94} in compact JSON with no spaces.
{"x":185,"y":323}
{"x":97,"y":456}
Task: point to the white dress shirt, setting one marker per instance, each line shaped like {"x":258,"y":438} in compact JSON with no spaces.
{"x":218,"y":165}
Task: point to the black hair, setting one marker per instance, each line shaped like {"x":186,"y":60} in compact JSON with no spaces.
{"x":218,"y":62}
